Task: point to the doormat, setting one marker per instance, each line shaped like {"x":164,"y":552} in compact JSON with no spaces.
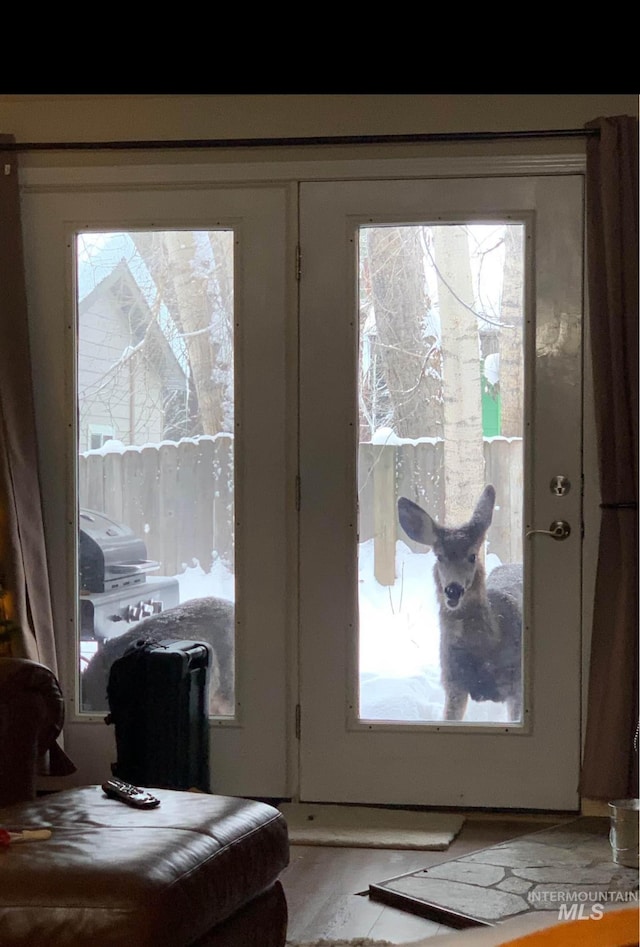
{"x":569,"y":864}
{"x":369,"y":827}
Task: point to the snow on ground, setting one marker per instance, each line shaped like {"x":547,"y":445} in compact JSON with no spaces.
{"x":399,"y":636}
{"x":399,"y":643}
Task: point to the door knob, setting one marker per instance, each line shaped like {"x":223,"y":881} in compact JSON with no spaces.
{"x":559,"y":530}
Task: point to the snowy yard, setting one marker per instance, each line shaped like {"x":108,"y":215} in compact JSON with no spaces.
{"x":399,"y":637}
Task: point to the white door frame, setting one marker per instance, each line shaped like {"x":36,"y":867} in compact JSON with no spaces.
{"x":42,"y":179}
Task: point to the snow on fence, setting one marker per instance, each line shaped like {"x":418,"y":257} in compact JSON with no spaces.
{"x":178,"y":496}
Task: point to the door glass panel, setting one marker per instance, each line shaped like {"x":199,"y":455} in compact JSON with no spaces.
{"x":155,"y":423}
{"x":441,"y":404}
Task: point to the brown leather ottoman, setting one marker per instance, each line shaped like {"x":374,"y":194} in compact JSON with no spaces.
{"x":200,"y":870}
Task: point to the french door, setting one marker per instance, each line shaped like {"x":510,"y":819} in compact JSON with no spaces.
{"x":440,"y":351}
{"x":158,"y":326}
{"x":424,"y":308}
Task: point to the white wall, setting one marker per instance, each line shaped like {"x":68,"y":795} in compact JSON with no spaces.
{"x":39,"y":118}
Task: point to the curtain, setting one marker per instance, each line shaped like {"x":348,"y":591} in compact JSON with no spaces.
{"x":23,"y":565}
{"x":610,"y":762}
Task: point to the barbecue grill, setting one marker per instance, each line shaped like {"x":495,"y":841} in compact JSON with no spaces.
{"x":116,"y":590}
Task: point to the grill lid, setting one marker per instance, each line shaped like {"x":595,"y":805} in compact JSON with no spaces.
{"x":111,"y":555}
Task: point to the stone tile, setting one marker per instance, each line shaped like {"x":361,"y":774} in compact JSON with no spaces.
{"x":529,"y":855}
{"x":486,"y":904}
{"x":624,"y":879}
{"x":515,"y":885}
{"x":534,"y":873}
{"x":483,"y":875}
{"x":598,"y":875}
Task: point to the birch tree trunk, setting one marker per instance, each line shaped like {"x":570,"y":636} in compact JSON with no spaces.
{"x":200,"y":301}
{"x":463,"y":445}
{"x":191,"y":287}
{"x":511,"y":352}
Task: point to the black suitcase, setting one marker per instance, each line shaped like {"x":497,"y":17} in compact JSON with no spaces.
{"x":158,"y":696}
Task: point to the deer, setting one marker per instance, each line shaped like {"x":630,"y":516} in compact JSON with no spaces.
{"x":480,"y":617}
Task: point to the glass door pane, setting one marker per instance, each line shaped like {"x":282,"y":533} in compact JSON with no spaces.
{"x":155,"y":428}
{"x":440,"y":400}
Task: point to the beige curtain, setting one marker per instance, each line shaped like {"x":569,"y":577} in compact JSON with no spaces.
{"x":610,"y":764}
{"x":23,"y":564}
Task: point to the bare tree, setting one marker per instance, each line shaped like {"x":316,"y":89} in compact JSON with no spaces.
{"x":404,"y":388}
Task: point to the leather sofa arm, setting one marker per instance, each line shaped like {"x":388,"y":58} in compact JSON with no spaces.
{"x":31,"y":719}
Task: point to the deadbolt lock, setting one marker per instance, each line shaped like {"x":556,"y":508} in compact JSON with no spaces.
{"x":560,"y":485}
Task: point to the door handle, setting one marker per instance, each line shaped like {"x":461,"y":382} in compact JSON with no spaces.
{"x":559,"y":530}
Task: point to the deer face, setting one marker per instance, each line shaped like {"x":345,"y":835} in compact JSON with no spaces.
{"x":456,"y":549}
{"x":456,"y":566}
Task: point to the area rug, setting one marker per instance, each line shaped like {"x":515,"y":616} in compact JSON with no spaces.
{"x":617,"y":927}
{"x":567,"y":869}
{"x":369,"y":827}
{"x":358,"y":942}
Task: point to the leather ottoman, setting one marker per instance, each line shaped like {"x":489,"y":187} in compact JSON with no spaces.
{"x":199,"y":870}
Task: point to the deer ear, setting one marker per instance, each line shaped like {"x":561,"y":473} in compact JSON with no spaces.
{"x":483,"y":513}
{"x":417,"y":524}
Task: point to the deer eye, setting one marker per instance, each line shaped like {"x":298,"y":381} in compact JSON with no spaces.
{"x":472,"y":557}
{"x":440,"y":558}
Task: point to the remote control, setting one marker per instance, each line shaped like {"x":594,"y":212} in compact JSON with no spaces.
{"x":132,"y":795}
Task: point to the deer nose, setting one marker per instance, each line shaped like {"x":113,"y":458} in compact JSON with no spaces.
{"x":454,"y":593}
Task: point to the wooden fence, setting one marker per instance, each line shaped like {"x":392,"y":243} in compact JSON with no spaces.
{"x":178,"y":497}
{"x":416,"y":470}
